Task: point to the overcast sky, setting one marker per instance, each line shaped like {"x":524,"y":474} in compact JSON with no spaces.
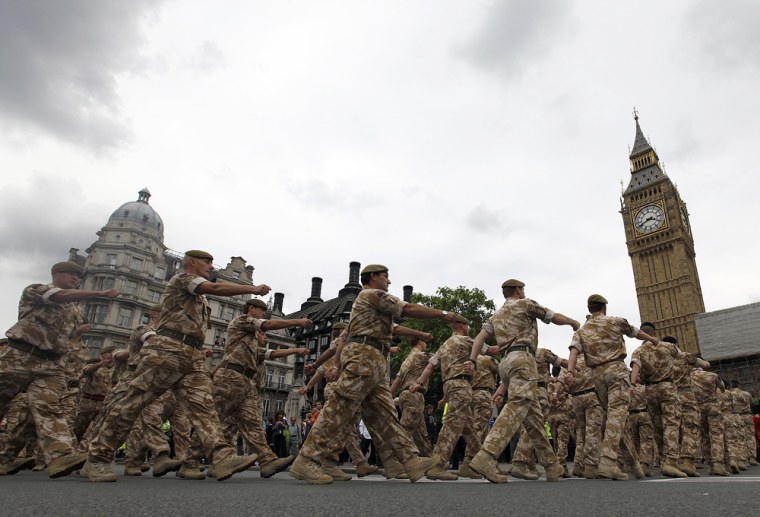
{"x":459,"y":143}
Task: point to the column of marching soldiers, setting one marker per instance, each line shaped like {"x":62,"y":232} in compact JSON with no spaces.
{"x":67,"y":413}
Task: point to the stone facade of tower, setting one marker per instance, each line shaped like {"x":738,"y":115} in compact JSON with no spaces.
{"x":661,"y":246}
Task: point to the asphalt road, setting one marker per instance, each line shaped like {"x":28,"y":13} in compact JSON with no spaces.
{"x":33,"y":493}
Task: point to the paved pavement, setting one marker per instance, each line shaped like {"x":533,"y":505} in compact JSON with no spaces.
{"x":33,"y":493}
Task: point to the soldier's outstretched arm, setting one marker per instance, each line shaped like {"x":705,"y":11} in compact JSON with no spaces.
{"x":231,"y":289}
{"x":420,"y":312}
{"x":74,"y":295}
{"x":561,"y":319}
{"x":284,"y":352}
{"x":400,"y":330}
{"x":283,"y":324}
{"x":422,"y":379}
{"x":477,"y":345}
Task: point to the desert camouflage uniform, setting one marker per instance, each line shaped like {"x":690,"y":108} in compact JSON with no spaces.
{"x":516,"y":331}
{"x":236,"y":386}
{"x":690,"y":440}
{"x":600,"y":339}
{"x":362,"y":385}
{"x":483,"y":385}
{"x":92,"y":393}
{"x":545,"y":359}
{"x":706,"y":386}
{"x":74,"y":363}
{"x":413,"y":404}
{"x":48,"y":326}
{"x":731,"y":438}
{"x":168,"y":363}
{"x":746,"y":425}
{"x":457,"y":392}
{"x":639,"y":425}
{"x":588,"y":415}
{"x":560,"y":418}
{"x":656,"y":363}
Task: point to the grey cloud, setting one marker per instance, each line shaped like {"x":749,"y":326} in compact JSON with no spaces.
{"x":208,"y":57}
{"x":483,"y":220}
{"x":322,"y":196}
{"x":726,"y":35}
{"x":43,"y":219}
{"x":514,"y":34}
{"x":59,"y":62}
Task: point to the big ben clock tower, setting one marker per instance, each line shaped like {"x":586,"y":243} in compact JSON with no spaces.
{"x":661,"y":247}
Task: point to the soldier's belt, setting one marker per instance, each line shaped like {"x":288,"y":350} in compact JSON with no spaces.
{"x":482,"y":389}
{"x":636,"y":411}
{"x":72,"y":384}
{"x":748,"y":413}
{"x":463,"y":376}
{"x":98,"y":398}
{"x":621,"y":359}
{"x":34,"y":350}
{"x":650,"y":383}
{"x":734,"y":412}
{"x":248,"y":372}
{"x":185,"y":339}
{"x":583,"y":392}
{"x":684,"y":389}
{"x":541,"y":384}
{"x":131,"y":367}
{"x":421,"y":390}
{"x":374,"y":343}
{"x":520,"y":348}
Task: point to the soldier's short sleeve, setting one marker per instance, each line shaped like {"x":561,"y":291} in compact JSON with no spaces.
{"x":539,"y":312}
{"x":38,"y":294}
{"x":149,"y":333}
{"x":627,"y":329}
{"x":388,"y":304}
{"x":576,"y":342}
{"x":636,"y":357}
{"x":192,"y":282}
{"x":488,"y":327}
{"x":250,"y":324}
{"x":553,"y":358}
{"x":435,"y":359}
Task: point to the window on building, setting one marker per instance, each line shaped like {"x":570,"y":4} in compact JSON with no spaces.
{"x":136,"y":264}
{"x":229,"y":313}
{"x":313,"y":344}
{"x":154,"y":296}
{"x":111,"y":260}
{"x":94,"y":344}
{"x":265,"y":404}
{"x":269,"y":379}
{"x":160,"y":272}
{"x":236,"y":275}
{"x":325,"y":341}
{"x":130,"y":287}
{"x":125,"y":317}
{"x":281,"y":381}
{"x":145,"y":318}
{"x":102,"y":283}
{"x":279,"y":404}
{"x":96,"y":313}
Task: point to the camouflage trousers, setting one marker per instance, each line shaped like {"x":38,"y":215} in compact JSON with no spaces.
{"x":712,"y":430}
{"x":413,"y":420}
{"x":482,"y":410}
{"x":165,"y":364}
{"x":459,"y":421}
{"x":749,"y":436}
{"x":87,"y":412}
{"x":518,"y":373}
{"x":664,"y":409}
{"x":524,"y":449}
{"x":352,"y":438}
{"x":147,"y":434}
{"x":361,"y":387}
{"x":20,"y":431}
{"x":588,"y":437}
{"x":44,"y":382}
{"x":613,"y":389}
{"x":187,"y":444}
{"x":69,"y":404}
{"x":640,"y":431}
{"x":689,"y":424}
{"x":560,"y":425}
{"x":239,"y":407}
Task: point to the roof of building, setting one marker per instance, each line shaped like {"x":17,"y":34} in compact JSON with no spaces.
{"x":139,"y":211}
{"x":640,"y":143}
{"x":729,"y":333}
{"x":646,"y":177}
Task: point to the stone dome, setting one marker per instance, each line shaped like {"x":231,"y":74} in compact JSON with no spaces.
{"x":140,"y":212}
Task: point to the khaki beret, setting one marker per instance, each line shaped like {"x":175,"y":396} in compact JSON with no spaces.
{"x":199,"y":254}
{"x":461,"y":319}
{"x":67,"y":267}
{"x":106,"y":349}
{"x":340,"y":325}
{"x":374,"y":268}
{"x":513,"y":283}
{"x":257,"y":303}
{"x":597,"y":298}
{"x":156,"y":308}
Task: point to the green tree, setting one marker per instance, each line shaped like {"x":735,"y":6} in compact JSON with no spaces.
{"x":470,"y":303}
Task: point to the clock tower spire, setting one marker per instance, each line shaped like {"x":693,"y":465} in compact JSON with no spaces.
{"x":661,"y":247}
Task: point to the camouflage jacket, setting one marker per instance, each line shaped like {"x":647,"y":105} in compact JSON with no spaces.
{"x":514,"y":323}
{"x":600,"y":339}
{"x":486,"y":373}
{"x":372,"y":315}
{"x":412,"y":368}
{"x":44,"y":323}
{"x":656,"y":362}
{"x":638,"y":397}
{"x":545,"y":359}
{"x":452,"y":355}
{"x":99,"y":383}
{"x":183,"y":309}
{"x":706,"y":385}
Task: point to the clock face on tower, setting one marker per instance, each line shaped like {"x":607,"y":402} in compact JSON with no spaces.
{"x":649,"y":218}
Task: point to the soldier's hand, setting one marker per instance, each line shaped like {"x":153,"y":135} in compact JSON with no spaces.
{"x":575,"y":324}
{"x":302,"y":351}
{"x":469,"y":368}
{"x":305,"y":323}
{"x":704,"y":364}
{"x":332,"y":374}
{"x":497,"y":399}
{"x":394,"y":350}
{"x":261,"y":289}
{"x":427,"y":336}
{"x":110,"y":293}
{"x":414,"y":387}
{"x":569,"y":378}
{"x":441,"y":404}
{"x":207,"y":352}
{"x":261,"y":337}
{"x":84,"y":328}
